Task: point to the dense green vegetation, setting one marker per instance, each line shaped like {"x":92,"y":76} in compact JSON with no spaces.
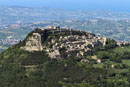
{"x":24,"y":69}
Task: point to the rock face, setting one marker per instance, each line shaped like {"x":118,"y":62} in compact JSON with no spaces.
{"x":34,"y":43}
{"x":55,"y":40}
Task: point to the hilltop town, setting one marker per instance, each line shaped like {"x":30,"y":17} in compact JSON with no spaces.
{"x":55,"y":40}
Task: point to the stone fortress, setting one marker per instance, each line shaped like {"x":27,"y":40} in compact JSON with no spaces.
{"x":73,"y":40}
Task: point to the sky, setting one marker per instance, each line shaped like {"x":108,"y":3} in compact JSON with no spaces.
{"x":119,"y":5}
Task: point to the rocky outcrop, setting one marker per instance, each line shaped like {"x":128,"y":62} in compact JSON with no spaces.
{"x":33,"y":43}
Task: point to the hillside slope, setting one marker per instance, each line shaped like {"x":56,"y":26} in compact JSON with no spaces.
{"x":61,"y":57}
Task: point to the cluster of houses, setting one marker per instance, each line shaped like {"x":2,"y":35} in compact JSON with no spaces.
{"x":83,"y":44}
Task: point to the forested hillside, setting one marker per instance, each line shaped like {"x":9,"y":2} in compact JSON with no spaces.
{"x":104,"y":66}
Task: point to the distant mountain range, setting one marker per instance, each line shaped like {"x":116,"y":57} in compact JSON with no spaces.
{"x":22,"y":15}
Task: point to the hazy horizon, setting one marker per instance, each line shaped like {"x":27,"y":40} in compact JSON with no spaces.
{"x":72,"y":4}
